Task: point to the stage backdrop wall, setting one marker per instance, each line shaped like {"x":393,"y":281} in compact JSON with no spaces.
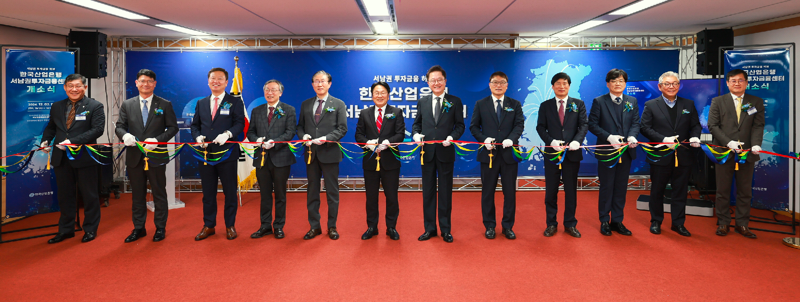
{"x":182,"y":79}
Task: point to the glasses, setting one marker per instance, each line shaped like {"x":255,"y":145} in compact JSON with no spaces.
{"x":677,"y":84}
{"x":145,"y":82}
{"x":500,"y":83}
{"x":320,"y":82}
{"x":74,"y":86}
{"x":617,"y":82}
{"x":382,"y":93}
{"x":737,"y":81}
{"x":436,"y":81}
{"x":273,"y":90}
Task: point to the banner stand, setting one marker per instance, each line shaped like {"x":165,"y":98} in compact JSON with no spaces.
{"x":792,"y":165}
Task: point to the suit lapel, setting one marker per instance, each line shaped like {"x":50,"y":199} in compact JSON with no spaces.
{"x":62,"y":118}
{"x":610,"y":107}
{"x":151,"y":114}
{"x":428,"y":108}
{"x":503,"y":111}
{"x":371,"y":123}
{"x":662,"y":105}
{"x":743,"y":114}
{"x":678,"y":111}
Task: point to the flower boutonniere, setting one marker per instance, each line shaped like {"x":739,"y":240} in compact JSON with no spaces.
{"x":446,"y":106}
{"x":685,"y":111}
{"x":159,"y":111}
{"x":745,"y":107}
{"x":330,"y":109}
{"x":573,"y":107}
{"x":279,"y":112}
{"x":225,"y":105}
{"x":389,"y":116}
{"x":628,"y":107}
{"x":508,"y":109}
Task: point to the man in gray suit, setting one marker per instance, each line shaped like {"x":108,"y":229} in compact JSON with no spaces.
{"x":323,"y":122}
{"x":149,"y":118}
{"x":270,"y":123}
{"x":736,"y":120}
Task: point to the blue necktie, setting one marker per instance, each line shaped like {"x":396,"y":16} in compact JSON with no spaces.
{"x":498,"y":109}
{"x":144,"y":113}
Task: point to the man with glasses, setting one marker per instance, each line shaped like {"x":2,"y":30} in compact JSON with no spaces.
{"x":75,"y":120}
{"x":498,"y":118}
{"x":669,"y":119}
{"x":272,"y":122}
{"x":614,"y":119}
{"x":322,"y":122}
{"x":736,"y":120}
{"x":148,"y":118}
{"x":220,"y":116}
{"x":440,"y":117}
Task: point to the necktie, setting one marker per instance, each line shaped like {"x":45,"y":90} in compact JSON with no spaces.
{"x":438,"y":110}
{"x":561,"y":111}
{"x":618,"y":101}
{"x":318,"y":114}
{"x":269,"y":117}
{"x":379,"y":121}
{"x":144,"y":112}
{"x":498,"y":110}
{"x":71,"y":115}
{"x":738,"y":109}
{"x":216,"y":107}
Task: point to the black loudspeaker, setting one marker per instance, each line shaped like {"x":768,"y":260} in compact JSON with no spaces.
{"x":704,"y":177}
{"x":708,"y":43}
{"x":90,"y":42}
{"x":93,"y":66}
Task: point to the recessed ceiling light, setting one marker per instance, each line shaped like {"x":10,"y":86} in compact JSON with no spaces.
{"x":636,"y":7}
{"x":108,"y":9}
{"x":376,"y":7}
{"x":584,"y":26}
{"x":383,"y":28}
{"x":183,"y":29}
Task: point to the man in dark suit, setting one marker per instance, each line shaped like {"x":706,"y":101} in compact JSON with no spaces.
{"x":562,"y":119}
{"x":614,"y":117}
{"x":147,"y":118}
{"x":323,"y":121}
{"x":440,"y":117}
{"x":271,"y":122}
{"x":498,"y":118}
{"x":736,"y":120}
{"x":75,"y":120}
{"x":221,"y":116}
{"x":669,"y":119}
{"x":378,"y":127}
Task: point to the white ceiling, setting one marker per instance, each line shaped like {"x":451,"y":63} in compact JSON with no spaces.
{"x":414,"y":17}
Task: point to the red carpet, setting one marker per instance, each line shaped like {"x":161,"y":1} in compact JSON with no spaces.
{"x":643,"y":267}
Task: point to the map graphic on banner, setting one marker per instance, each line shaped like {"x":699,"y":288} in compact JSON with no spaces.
{"x":34,"y":80}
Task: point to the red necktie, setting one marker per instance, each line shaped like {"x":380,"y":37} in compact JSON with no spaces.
{"x":269,"y":117}
{"x":561,"y":111}
{"x":216,"y":105}
{"x":318,"y":114}
{"x":379,"y":121}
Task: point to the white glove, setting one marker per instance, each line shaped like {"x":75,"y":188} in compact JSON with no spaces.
{"x":307,"y":137}
{"x":61,"y":144}
{"x":371,"y":144}
{"x":615,"y":141}
{"x":221,"y":138}
{"x":46,"y":147}
{"x":418,"y":137}
{"x":755,"y":149}
{"x":269,"y":144}
{"x":668,"y":139}
{"x":129,"y":140}
{"x":735,"y":146}
{"x":507,"y":143}
{"x":319,"y":140}
{"x":202,"y":141}
{"x":488,"y":143}
{"x":632,"y":142}
{"x":384,"y":145}
{"x":151,"y":147}
{"x":557,"y":144}
{"x":447,"y":142}
{"x":695,"y":142}
{"x":574,"y":146}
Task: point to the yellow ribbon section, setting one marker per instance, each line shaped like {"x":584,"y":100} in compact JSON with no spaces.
{"x":491,"y":155}
{"x":48,"y":160}
{"x":378,"y":167}
{"x":263,"y":154}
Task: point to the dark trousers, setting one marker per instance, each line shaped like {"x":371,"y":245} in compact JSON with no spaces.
{"x":489,"y":183}
{"x":272,"y":178}
{"x":553,"y":177}
{"x":69,"y":180}
{"x":226,"y":173}
{"x":372,"y":182}
{"x":441,"y":172}
{"x":315,"y":171}
{"x":157,"y":176}
{"x":678,"y":177}
{"x":744,"y":192}
{"x":613,"y":189}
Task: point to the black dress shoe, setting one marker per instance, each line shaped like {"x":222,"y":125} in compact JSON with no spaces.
{"x":136,"y":234}
{"x":159,"y":235}
{"x":369,"y":233}
{"x":489,"y":233}
{"x":447,"y":237}
{"x":60,"y":237}
{"x":392,"y":232}
{"x":681,"y":230}
{"x":509,"y":234}
{"x":312,"y":233}
{"x":279,"y":233}
{"x":620,"y":228}
{"x":88,"y":236}
{"x":426,"y":236}
{"x":261,"y":233}
{"x":550,"y":231}
{"x":605,"y":229}
{"x":655,"y":227}
{"x":573,"y":232}
{"x":333,"y":234}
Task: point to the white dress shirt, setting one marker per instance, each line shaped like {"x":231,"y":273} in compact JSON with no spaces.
{"x":149,"y":102}
{"x":494,"y":102}
{"x":219,"y":102}
{"x":433,"y":103}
